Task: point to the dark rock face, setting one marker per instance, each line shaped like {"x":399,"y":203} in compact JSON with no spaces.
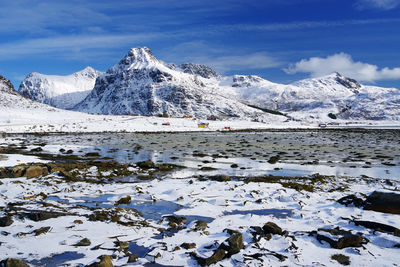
{"x":383,"y":202}
{"x":6,"y":86}
{"x":348,"y":83}
{"x":199,"y":69}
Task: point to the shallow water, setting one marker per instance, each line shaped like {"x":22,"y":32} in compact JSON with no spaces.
{"x":153,"y":210}
{"x":351,"y":152}
{"x":278,"y":213}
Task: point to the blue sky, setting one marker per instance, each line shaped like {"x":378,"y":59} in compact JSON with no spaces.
{"x":279,"y":40}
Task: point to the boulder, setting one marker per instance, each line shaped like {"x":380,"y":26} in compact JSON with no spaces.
{"x":383,"y":202}
{"x":35,"y":171}
{"x":105,"y":261}
{"x":188,"y":245}
{"x":200,"y":226}
{"x":272,"y":228}
{"x":83,"y":243}
{"x":125,"y":201}
{"x":218,"y":255}
{"x":233,"y":244}
{"x":11,"y":262}
{"x":43,"y":215}
{"x":380,"y":227}
{"x":6,"y":221}
{"x":148,"y":164}
{"x":351,"y":200}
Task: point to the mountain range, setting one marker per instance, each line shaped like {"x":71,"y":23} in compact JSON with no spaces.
{"x":142,"y":84}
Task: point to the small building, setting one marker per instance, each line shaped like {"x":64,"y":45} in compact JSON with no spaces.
{"x":212,"y":118}
{"x":202,"y":125}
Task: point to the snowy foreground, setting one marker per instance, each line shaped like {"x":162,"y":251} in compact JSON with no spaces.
{"x":69,"y":208}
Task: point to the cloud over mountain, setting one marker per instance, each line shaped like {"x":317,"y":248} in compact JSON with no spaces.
{"x":343,"y":63}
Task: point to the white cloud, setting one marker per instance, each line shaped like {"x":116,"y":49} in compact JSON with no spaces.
{"x":379,"y":4}
{"x":344,"y":64}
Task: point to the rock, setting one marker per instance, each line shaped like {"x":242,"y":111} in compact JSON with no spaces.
{"x":11,"y":262}
{"x":351,"y":200}
{"x":259,"y":233}
{"x":188,"y":245}
{"x":35,"y":171}
{"x":44,"y":215}
{"x":6,"y":221}
{"x":125,"y":201}
{"x":78,"y":222}
{"x":383,"y":202}
{"x":234,"y":165}
{"x":349,"y":241}
{"x":133,"y":258}
{"x":200,"y":226}
{"x":18,"y":171}
{"x":218,"y":255}
{"x":380,"y":227}
{"x":343,"y":242}
{"x":83,"y":243}
{"x":229,"y":247}
{"x":273,"y":159}
{"x":342,"y":259}
{"x":105,"y":261}
{"x":272,"y":228}
{"x":148,"y":164}
{"x":220,"y":178}
{"x":176,"y":219}
{"x":233,"y":244}
{"x":41,"y":230}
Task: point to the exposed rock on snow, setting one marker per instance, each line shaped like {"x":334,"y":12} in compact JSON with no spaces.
{"x":199,"y":69}
{"x":6,"y":86}
{"x":59,"y":91}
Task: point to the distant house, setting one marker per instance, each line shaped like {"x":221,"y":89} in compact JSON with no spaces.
{"x":212,"y":118}
{"x":202,"y":125}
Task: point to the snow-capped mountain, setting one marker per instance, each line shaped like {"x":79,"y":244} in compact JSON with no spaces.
{"x":329,"y":97}
{"x":141,"y":84}
{"x":59,"y":91}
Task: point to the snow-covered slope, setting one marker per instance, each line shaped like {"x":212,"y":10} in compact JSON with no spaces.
{"x":315,"y":98}
{"x":141,"y":84}
{"x":59,"y":91}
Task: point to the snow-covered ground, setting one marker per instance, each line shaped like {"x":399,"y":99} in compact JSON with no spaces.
{"x":224,"y":205}
{"x":55,"y":120}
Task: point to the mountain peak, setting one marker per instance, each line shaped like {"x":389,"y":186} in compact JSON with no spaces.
{"x":6,"y":85}
{"x":139,"y":57}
